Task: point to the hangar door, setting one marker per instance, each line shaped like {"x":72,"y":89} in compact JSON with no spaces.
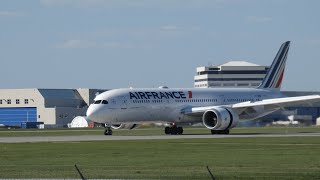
{"x":14,"y":116}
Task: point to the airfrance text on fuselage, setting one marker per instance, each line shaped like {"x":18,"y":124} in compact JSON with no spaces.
{"x":158,"y":95}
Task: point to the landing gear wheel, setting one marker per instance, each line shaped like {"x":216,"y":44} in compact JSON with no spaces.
{"x":173,"y":130}
{"x":213,"y":132}
{"x":108,"y":131}
{"x":180,"y":130}
{"x":167,"y":130}
{"x":227,"y":131}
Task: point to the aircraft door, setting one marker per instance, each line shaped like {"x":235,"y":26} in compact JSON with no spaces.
{"x":123,"y":102}
{"x":222,"y":99}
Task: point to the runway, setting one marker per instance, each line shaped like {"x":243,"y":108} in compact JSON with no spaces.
{"x":34,"y":139}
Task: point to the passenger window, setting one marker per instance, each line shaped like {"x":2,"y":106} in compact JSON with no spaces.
{"x":104,"y":102}
{"x":97,"y":102}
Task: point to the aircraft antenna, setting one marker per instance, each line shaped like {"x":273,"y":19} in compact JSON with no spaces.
{"x":82,"y":177}
{"x":213,"y":178}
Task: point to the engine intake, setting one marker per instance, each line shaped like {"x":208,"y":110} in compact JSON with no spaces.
{"x":124,"y":126}
{"x":220,"y":118}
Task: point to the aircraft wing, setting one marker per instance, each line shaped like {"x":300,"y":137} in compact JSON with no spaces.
{"x":268,"y":105}
{"x":279,"y":102}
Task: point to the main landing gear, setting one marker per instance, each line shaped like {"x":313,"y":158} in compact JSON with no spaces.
{"x":220,"y":131}
{"x":108,"y":130}
{"x":173,"y":130}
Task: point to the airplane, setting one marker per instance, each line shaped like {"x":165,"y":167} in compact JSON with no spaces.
{"x":219,"y":109}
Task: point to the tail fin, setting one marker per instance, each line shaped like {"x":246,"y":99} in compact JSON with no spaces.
{"x":273,"y":78}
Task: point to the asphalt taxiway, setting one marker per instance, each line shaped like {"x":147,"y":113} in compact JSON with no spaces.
{"x":152,"y":137}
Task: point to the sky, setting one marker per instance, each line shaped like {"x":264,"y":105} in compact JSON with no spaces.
{"x":150,"y":43}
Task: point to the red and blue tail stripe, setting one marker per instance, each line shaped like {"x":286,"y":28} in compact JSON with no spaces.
{"x":273,"y":78}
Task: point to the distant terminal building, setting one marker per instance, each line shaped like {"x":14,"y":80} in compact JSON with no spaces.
{"x":231,"y":74}
{"x":53,"y":107}
{"x":312,"y":110}
{"x":303,"y":113}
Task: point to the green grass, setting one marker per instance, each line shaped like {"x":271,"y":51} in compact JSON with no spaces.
{"x":228,"y":158}
{"x":148,"y":131}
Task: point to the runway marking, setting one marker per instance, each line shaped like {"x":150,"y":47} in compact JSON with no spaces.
{"x":145,"y":137}
{"x":232,"y":143}
{"x":63,"y":179}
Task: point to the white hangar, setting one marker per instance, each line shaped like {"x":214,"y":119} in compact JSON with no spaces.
{"x":53,"y":107}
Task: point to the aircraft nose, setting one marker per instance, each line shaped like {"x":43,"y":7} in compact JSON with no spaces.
{"x":89,"y":112}
{"x":93,"y":113}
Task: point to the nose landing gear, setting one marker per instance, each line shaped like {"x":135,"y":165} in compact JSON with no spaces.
{"x":108,"y":130}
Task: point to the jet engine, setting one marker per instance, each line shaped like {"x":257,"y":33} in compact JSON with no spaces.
{"x":124,"y":126}
{"x":220,"y":118}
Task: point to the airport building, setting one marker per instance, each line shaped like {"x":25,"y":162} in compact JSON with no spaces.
{"x":231,"y":74}
{"x":304,"y":111}
{"x":53,"y":107}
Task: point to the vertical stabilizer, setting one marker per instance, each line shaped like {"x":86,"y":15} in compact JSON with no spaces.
{"x":273,"y":78}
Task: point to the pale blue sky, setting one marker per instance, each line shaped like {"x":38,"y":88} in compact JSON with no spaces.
{"x":148,"y":43}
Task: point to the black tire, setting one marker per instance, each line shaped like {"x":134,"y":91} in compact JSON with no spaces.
{"x":108,"y":132}
{"x":220,"y":131}
{"x":226,"y":131}
{"x":213,"y":132}
{"x":180,"y":130}
{"x":173,"y":130}
{"x":167,"y":130}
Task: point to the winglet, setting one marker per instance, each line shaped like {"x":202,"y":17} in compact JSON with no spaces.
{"x":273,"y":78}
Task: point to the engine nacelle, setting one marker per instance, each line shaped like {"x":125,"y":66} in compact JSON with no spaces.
{"x":124,"y":126}
{"x":220,"y":118}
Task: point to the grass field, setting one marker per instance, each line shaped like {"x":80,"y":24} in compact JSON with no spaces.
{"x":228,"y":158}
{"x":148,"y":131}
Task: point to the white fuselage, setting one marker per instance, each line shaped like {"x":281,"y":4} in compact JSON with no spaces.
{"x":165,"y":104}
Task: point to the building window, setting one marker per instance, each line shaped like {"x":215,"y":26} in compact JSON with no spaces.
{"x":26,"y":101}
{"x":243,"y":84}
{"x":39,"y":116}
{"x":0,"y":101}
{"x":214,"y":69}
{"x":9,"y":101}
{"x":17,"y":101}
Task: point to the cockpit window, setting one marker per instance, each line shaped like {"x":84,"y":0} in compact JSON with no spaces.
{"x":100,"y":102}
{"x":104,"y":102}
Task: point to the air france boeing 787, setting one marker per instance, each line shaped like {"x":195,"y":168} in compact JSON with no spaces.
{"x":219,"y":109}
